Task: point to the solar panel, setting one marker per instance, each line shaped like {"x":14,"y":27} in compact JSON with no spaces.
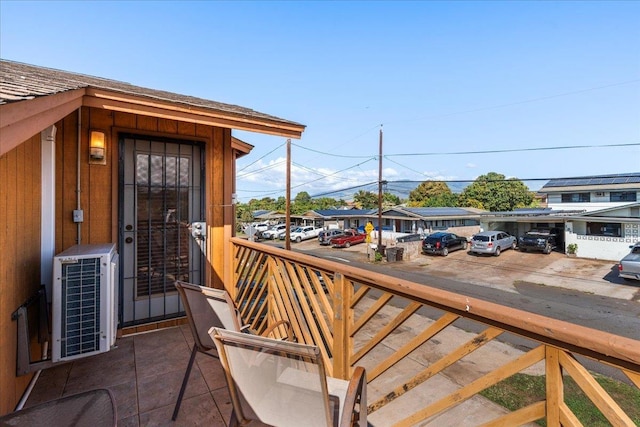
{"x":438,"y":211}
{"x":621,"y":178}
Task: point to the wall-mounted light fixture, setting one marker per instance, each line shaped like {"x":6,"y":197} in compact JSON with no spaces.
{"x":98,"y":148}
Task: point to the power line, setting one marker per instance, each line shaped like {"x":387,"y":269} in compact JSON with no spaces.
{"x":331,"y":154}
{"x":393,"y":184}
{"x":405,"y":166}
{"x":257,"y":160}
{"x":471,"y":111}
{"x":333,"y":174}
{"x":344,"y":189}
{"x":389,"y":158}
{"x":323,"y":176}
{"x":513,"y":150}
{"x":527,"y":101}
{"x":390,"y":185}
{"x":510,"y":150}
{"x":255,"y":171}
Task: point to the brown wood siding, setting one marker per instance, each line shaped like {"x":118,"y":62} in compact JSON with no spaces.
{"x":98,"y":187}
{"x":20,"y":207}
{"x":19,"y":255}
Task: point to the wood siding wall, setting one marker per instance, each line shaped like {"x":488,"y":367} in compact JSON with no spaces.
{"x":99,"y":183}
{"x":20,"y":209}
{"x":20,"y":199}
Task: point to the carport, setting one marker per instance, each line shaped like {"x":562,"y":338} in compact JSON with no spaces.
{"x":519,"y":221}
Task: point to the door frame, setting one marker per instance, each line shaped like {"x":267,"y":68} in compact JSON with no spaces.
{"x":122,"y":135}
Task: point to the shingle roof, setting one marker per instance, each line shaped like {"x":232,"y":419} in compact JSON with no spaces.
{"x":19,"y":82}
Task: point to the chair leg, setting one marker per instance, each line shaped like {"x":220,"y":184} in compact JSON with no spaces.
{"x":184,"y":383}
{"x":234,"y":420}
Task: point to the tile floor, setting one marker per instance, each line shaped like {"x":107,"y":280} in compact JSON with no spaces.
{"x":145,"y":373}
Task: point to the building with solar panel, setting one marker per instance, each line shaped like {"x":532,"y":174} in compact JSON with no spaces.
{"x":600,"y":214}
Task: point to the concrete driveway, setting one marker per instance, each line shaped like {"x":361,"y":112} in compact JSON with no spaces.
{"x":511,"y":267}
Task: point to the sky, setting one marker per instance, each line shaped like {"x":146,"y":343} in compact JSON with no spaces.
{"x":458,"y":88}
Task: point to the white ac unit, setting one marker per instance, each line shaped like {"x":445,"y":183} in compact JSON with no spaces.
{"x":84,"y":301}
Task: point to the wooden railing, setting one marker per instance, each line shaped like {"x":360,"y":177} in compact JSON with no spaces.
{"x":415,"y":344}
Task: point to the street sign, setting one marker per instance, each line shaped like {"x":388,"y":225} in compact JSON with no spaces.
{"x":368,"y":228}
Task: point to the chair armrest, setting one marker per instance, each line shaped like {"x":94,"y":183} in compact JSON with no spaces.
{"x":273,"y":327}
{"x":356,"y":395}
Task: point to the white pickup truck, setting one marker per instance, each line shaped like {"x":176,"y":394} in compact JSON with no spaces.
{"x":304,"y":233}
{"x":629,"y":267}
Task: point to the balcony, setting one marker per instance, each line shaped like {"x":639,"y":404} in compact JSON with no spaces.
{"x":428,"y":352}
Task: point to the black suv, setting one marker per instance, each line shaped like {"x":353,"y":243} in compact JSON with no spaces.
{"x":540,"y":239}
{"x":442,"y":243}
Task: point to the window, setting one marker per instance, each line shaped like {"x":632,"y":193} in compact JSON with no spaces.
{"x":611,"y":229}
{"x":576,"y":197}
{"x":622,"y":196}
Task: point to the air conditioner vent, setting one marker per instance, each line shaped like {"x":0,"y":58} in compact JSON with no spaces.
{"x":84,"y":301}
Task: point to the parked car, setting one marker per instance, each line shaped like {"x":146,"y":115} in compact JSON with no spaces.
{"x":442,"y":243}
{"x":260,"y":226}
{"x":629,"y":266}
{"x":539,"y":239}
{"x":274,"y":231}
{"x":304,"y":233}
{"x":492,"y":242}
{"x":326,"y":235}
{"x":283,"y":233}
{"x":350,"y":237}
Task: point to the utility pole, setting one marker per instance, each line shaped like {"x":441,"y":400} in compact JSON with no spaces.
{"x":287,"y":238}
{"x":380,"y":194}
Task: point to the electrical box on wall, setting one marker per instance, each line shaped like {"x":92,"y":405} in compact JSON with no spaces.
{"x":78,"y":215}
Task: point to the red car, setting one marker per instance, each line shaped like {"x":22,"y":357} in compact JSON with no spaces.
{"x":350,"y":237}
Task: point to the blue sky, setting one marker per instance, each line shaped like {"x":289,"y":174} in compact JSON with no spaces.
{"x":441,"y":77}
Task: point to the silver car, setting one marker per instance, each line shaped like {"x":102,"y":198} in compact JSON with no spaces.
{"x":492,"y":242}
{"x":325,"y":236}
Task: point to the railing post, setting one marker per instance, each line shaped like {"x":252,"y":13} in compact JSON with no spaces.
{"x":342,"y":321}
{"x":554,"y":386}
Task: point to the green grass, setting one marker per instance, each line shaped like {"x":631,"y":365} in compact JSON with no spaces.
{"x":521,"y":390}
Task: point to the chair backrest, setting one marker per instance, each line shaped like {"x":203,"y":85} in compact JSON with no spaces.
{"x":206,"y":308}
{"x":276,"y":382}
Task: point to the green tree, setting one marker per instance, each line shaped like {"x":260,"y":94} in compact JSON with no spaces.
{"x":281,"y":204}
{"x":302,"y":197}
{"x":495,"y":193}
{"x":266,"y":203}
{"x":243,"y":214}
{"x":301,"y":203}
{"x":390,"y":199}
{"x":432,"y":193}
{"x":441,"y":200}
{"x":327,"y":203}
{"x":365,"y":199}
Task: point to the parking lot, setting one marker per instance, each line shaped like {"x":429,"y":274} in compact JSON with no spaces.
{"x":596,"y":277}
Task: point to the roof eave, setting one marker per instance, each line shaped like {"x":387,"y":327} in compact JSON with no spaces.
{"x":241,"y":148}
{"x":21,"y":120}
{"x":117,"y":101}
